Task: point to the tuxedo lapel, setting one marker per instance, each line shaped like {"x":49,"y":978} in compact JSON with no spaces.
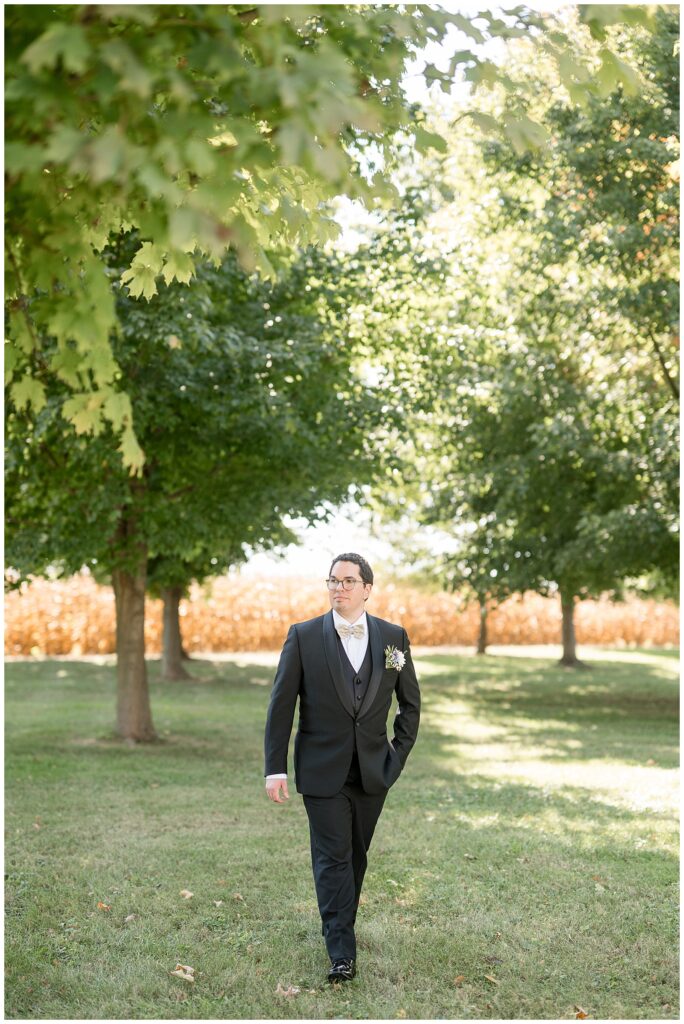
{"x":375,"y":641}
{"x":332,"y":655}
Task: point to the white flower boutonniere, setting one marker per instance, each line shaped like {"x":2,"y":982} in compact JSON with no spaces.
{"x":394,"y":658}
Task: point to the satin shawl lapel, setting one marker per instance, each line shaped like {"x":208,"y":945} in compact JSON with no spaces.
{"x":375,"y":641}
{"x":334,"y":664}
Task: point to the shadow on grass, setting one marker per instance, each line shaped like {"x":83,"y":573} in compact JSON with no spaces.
{"x":558,"y":891}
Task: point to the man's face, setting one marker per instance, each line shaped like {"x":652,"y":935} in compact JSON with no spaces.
{"x":349,"y":603}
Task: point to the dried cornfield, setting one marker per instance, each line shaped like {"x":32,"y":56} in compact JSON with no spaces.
{"x":241,"y":613}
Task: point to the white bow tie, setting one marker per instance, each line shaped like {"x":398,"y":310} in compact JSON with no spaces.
{"x":347,"y":631}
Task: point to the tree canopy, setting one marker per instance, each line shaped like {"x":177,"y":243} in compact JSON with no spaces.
{"x":206,"y":127}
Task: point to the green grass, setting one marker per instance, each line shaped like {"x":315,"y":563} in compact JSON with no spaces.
{"x":529,"y":850}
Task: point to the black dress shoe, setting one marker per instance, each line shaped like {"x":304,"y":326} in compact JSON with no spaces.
{"x":343,"y":969}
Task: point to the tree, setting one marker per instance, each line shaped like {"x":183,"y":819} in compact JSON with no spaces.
{"x":241,"y":423}
{"x":531,"y":437}
{"x":205,"y":127}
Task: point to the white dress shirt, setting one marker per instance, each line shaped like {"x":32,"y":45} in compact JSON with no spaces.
{"x":355,"y":648}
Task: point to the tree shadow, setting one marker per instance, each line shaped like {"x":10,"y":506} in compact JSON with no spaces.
{"x":606,"y":713}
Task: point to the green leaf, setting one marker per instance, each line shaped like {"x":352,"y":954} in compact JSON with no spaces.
{"x":12,"y":360}
{"x":133,"y":76}
{"x":179,"y":266}
{"x":20,"y":333}
{"x":484,"y":121}
{"x":614,"y":72}
{"x":106,"y":154}
{"x":293,"y":141}
{"x":466,"y":26}
{"x":66,"y":41}
{"x":84,"y":412}
{"x":201,"y":157}
{"x":67,"y":363}
{"x":64,"y":143}
{"x":429,"y":140}
{"x":525,"y":134}
{"x":570,"y":70}
{"x":28,"y":391}
{"x":184,"y":228}
{"x":117,"y":409}
{"x":20,"y":158}
{"x":141,"y":281}
{"x":142,"y":274}
{"x":132,"y":454}
{"x":72,"y":320}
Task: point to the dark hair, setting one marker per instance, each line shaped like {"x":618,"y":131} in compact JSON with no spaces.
{"x":364,"y":567}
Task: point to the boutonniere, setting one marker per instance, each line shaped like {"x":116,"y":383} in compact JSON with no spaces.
{"x":394,"y":658}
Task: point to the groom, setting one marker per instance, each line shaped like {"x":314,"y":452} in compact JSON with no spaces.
{"x":344,"y":666}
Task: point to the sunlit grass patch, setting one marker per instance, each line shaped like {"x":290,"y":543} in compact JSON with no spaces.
{"x":532,"y":839}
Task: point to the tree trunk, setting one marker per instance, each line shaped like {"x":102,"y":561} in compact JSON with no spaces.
{"x":133,"y":714}
{"x":172,"y":644}
{"x":482,"y":636}
{"x":569,"y":659}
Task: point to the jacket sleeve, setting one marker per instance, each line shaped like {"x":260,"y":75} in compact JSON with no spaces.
{"x":408,"y":713}
{"x":282,"y":706}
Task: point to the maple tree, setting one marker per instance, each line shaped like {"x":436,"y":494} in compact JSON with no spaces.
{"x":206,"y":127}
{"x":251,"y":408}
{"x":543,"y":426}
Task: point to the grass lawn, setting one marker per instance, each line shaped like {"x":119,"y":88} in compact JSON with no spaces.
{"x":525,"y":864}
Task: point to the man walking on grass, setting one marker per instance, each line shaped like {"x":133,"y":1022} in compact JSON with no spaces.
{"x":344,"y":667}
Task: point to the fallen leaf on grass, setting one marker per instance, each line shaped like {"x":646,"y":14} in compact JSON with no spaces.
{"x":291,"y":990}
{"x":469,"y":856}
{"x":184,"y":972}
{"x":186,"y":894}
{"x":459,"y":979}
{"x":218,"y":903}
{"x":580,"y":1014}
{"x":491,"y":978}
{"x":103,"y":906}
{"x":237,"y":896}
{"x":402,"y":1014}
{"x":131,"y":917}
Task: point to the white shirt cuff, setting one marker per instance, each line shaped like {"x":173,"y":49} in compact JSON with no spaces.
{"x":280,"y":776}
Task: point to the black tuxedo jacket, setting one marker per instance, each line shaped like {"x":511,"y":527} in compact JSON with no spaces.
{"x":310,"y":668}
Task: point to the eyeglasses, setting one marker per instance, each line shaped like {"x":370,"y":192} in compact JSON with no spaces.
{"x":348,"y":583}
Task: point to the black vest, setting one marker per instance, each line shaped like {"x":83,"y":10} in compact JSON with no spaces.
{"x":358,"y":684}
{"x":356,"y":681}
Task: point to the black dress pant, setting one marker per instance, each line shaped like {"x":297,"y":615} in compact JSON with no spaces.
{"x":341,"y":828}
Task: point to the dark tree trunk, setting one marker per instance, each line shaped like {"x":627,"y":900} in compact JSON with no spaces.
{"x":172,"y":644}
{"x":569,"y":658}
{"x":133,"y":713}
{"x":482,"y":636}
